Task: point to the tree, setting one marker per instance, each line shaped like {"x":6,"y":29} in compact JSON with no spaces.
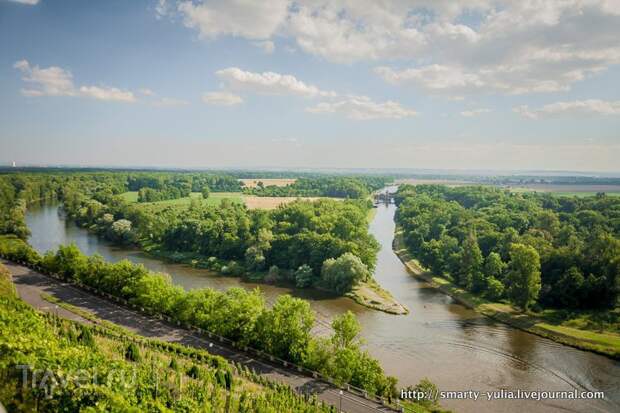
{"x":494,"y":266}
{"x":304,"y":276}
{"x":471,"y":276}
{"x":343,"y":273}
{"x":205,"y":192}
{"x":524,"y":275}
{"x":346,"y":328}
{"x":284,"y":330}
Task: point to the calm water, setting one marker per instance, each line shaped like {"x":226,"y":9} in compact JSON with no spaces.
{"x":439,"y":339}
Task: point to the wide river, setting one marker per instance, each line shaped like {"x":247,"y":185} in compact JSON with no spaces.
{"x":440,"y":339}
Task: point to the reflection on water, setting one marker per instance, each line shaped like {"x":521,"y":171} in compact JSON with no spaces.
{"x":440,"y":339}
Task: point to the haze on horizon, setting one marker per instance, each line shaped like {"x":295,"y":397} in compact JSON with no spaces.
{"x":480,"y":84}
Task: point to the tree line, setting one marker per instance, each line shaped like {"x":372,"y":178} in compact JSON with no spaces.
{"x":336,"y":187}
{"x":76,"y":368}
{"x":531,"y":249}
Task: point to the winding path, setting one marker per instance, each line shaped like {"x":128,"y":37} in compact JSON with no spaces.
{"x":31,"y":284}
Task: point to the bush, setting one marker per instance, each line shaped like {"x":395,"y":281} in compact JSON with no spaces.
{"x":132,"y":353}
{"x":495,"y":289}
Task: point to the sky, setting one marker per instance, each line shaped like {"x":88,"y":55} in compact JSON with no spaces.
{"x":477,"y":84}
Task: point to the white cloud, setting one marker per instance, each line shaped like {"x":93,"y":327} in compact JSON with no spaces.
{"x":147,"y":92}
{"x":222,"y":99}
{"x":248,"y":19}
{"x":269,"y":83}
{"x":107,"y":93}
{"x":28,"y":2}
{"x":577,"y":107}
{"x":474,"y":112}
{"x":363,"y":108}
{"x":52,"y":81}
{"x":55,"y":81}
{"x":505,"y":46}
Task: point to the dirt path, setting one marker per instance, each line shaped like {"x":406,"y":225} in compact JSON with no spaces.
{"x":30,"y":285}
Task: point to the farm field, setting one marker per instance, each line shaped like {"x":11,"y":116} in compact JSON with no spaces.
{"x":253,"y":183}
{"x":215,"y":198}
{"x":569,"y":190}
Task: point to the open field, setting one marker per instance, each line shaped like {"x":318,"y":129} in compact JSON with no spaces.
{"x":448,"y":182}
{"x":253,"y":183}
{"x":569,"y":190}
{"x":215,"y":198}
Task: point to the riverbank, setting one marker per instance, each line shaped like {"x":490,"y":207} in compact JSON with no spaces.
{"x":368,"y":294}
{"x":605,"y":343}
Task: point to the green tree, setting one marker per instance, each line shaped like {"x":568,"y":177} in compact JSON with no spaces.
{"x":205,"y":192}
{"x":284,"y":330}
{"x":471,"y":276}
{"x":524,"y":275}
{"x":346,"y":329}
{"x":343,"y":273}
{"x":304,"y":276}
{"x":494,"y":266}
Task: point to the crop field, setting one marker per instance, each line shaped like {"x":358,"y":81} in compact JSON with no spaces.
{"x":569,"y":190}
{"x":215,"y":198}
{"x":253,"y":183}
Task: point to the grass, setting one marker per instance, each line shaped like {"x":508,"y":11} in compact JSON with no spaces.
{"x":6,"y":285}
{"x":594,"y":331}
{"x":253,"y":182}
{"x":87,"y":315}
{"x":215,"y":198}
{"x":371,"y":295}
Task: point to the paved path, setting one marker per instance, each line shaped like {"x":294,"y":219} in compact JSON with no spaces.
{"x":30,"y":285}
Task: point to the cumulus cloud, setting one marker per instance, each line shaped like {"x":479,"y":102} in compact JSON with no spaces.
{"x":363,"y":108}
{"x":55,"y":81}
{"x":474,"y":112}
{"x":577,"y":107}
{"x":248,"y":19}
{"x":222,"y":99}
{"x":269,"y":83}
{"x":107,"y":93}
{"x":483,"y":46}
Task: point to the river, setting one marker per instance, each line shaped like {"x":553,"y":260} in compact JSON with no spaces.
{"x":451,"y":345}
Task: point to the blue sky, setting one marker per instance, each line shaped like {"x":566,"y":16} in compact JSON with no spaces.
{"x":484,"y":84}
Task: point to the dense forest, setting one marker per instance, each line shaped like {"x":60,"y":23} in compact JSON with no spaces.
{"x":336,"y":187}
{"x":534,"y":250}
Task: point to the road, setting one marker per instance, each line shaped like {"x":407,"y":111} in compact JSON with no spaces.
{"x":31,"y":284}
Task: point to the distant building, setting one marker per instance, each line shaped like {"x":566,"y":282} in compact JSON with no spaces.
{"x":14,"y":164}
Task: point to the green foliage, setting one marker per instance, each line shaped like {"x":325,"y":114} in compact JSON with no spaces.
{"x":304,"y":276}
{"x":343,"y":273}
{"x":240,"y":315}
{"x":132,"y":353}
{"x":335,"y":187}
{"x":524,"y":275}
{"x":66,"y":375}
{"x":568,"y":254}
